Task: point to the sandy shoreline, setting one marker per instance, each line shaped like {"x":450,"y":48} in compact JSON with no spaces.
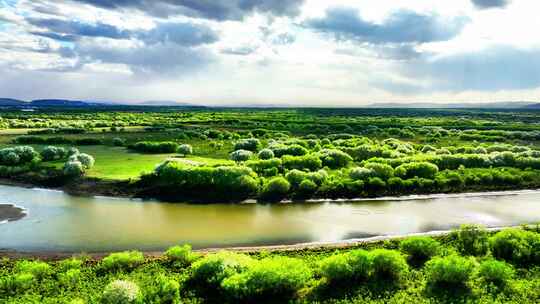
{"x":9,"y":212}
{"x":315,"y":246}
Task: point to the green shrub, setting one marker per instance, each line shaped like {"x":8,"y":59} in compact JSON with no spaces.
{"x":270,"y":278}
{"x":516,"y":246}
{"x":249,"y":144}
{"x":306,"y":188}
{"x":382,"y":171}
{"x":275,"y":189}
{"x":223,"y":181}
{"x":155,"y":147}
{"x":208,"y":272}
{"x":185,"y":149}
{"x":163,"y":290}
{"x":50,"y":153}
{"x":388,"y":264}
{"x":361,"y":262}
{"x":119,"y":142}
{"x":68,"y":264}
{"x":16,"y":284}
{"x":471,"y":240}
{"x":420,"y":248}
{"x":70,"y":278}
{"x":335,"y":158}
{"x":417,"y":169}
{"x":360,"y":173}
{"x":496,"y":272}
{"x":86,"y":160}
{"x":126,"y":260}
{"x":73,"y":169}
{"x":449,"y":271}
{"x":241,"y":155}
{"x":291,"y":150}
{"x":305,"y":162}
{"x":121,"y":292}
{"x":266,"y":154}
{"x":38,"y":269}
{"x":355,"y":265}
{"x":72,"y":151}
{"x":336,"y":268}
{"x":181,"y":256}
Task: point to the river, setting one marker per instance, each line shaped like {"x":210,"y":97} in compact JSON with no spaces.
{"x":56,"y":221}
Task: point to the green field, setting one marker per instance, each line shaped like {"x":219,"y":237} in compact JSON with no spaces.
{"x":311,"y":153}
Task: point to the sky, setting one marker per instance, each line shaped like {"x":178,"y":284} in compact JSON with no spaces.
{"x":271,"y":52}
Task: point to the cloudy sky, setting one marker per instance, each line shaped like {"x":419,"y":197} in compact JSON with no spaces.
{"x":283,"y":52}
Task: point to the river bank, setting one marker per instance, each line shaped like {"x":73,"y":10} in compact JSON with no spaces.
{"x":87,"y":186}
{"x":312,"y":247}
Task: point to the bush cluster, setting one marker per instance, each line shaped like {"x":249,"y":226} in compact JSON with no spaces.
{"x":516,"y":246}
{"x":358,"y":265}
{"x":250,"y":144}
{"x":450,"y":271}
{"x":420,"y":249}
{"x":181,"y":256}
{"x":277,"y":278}
{"x":223,"y":181}
{"x":126,"y":260}
{"x":155,"y":147}
{"x":17,"y":156}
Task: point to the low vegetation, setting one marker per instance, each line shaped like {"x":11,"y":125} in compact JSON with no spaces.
{"x":380,"y":272}
{"x":321,"y":153}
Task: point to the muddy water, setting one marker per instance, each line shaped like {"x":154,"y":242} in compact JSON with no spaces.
{"x":56,"y":221}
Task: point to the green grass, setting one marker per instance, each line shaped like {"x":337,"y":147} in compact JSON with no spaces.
{"x":119,"y":163}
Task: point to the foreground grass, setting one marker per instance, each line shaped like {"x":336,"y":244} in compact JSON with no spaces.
{"x":467,"y":266}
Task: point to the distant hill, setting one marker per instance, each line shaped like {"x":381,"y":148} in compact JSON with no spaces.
{"x":9,"y":102}
{"x":166,"y":103}
{"x":60,"y":103}
{"x":533,"y":106}
{"x":474,"y":105}
{"x":41,"y":103}
{"x":428,"y":105}
{"x":66,"y":103}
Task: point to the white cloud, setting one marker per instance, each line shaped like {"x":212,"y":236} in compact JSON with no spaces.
{"x":268,"y":57}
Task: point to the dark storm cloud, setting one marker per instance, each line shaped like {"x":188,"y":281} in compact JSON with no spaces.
{"x":182,"y":33}
{"x":493,"y":69}
{"x":160,"y":59}
{"x":58,"y":29}
{"x":496,"y":68}
{"x":485,"y":4}
{"x":210,"y":9}
{"x":400,"y":27}
{"x":56,"y":36}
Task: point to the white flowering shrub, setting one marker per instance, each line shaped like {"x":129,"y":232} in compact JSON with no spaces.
{"x":85,"y":159}
{"x":121,"y":292}
{"x":73,"y":168}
